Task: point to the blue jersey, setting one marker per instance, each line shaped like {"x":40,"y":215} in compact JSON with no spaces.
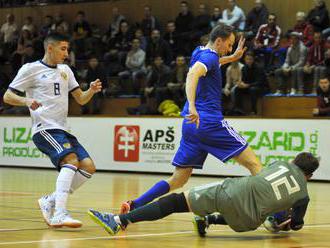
{"x":208,"y":94}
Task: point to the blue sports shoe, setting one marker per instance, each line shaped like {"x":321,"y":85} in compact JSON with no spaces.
{"x":105,"y":220}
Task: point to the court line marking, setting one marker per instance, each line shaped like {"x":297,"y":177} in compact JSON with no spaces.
{"x":135,"y":236}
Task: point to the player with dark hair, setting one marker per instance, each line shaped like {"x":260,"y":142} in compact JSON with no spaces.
{"x":204,"y":129}
{"x":47,"y":84}
{"x":243,"y":203}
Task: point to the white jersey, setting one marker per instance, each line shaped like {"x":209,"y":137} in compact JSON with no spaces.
{"x":49,"y":85}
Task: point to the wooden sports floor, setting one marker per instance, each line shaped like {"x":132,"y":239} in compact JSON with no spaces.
{"x":21,"y":224}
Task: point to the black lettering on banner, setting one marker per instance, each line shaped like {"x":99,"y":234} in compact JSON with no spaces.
{"x":57,"y":89}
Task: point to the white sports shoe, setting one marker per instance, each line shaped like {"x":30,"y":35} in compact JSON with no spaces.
{"x":63,"y":218}
{"x":47,"y":207}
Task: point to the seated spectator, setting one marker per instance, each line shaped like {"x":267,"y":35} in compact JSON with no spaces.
{"x":314,"y":65}
{"x":143,"y":40}
{"x":157,"y":82}
{"x":323,"y":98}
{"x":267,"y":40}
{"x":296,"y":56}
{"x":22,"y":56}
{"x":177,"y":82}
{"x":116,"y":19}
{"x":201,"y":24}
{"x":233,"y":16}
{"x":46,"y":26}
{"x":28,"y":25}
{"x":216,"y":16}
{"x":252,"y":84}
{"x":171,"y":37}
{"x":319,"y":16}
{"x":158,"y":47}
{"x":183,"y":24}
{"x":131,"y":79}
{"x":81,"y":33}
{"x":303,"y":27}
{"x":149,"y":22}
{"x":233,"y":78}
{"x":24,"y":39}
{"x":8,"y":35}
{"x":95,"y":71}
{"x":255,"y":18}
{"x":60,"y":23}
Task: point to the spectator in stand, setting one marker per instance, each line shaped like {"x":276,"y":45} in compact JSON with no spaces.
{"x":295,"y":58}
{"x":143,"y":40}
{"x":183,"y":24}
{"x":233,"y":78}
{"x":177,"y":82}
{"x":252,"y":83}
{"x":323,"y":98}
{"x":46,"y":26}
{"x":28,"y":25}
{"x":95,"y":71}
{"x":20,"y":57}
{"x":116,"y":19}
{"x":60,"y":22}
{"x":215,"y":17}
{"x":122,"y":42}
{"x":149,"y":22}
{"x":157,"y":82}
{"x":171,"y":37}
{"x":158,"y":47}
{"x":267,"y":40}
{"x":131,"y":79}
{"x":81,"y":33}
{"x":233,"y":16}
{"x":314,"y":65}
{"x":201,"y":24}
{"x":8,"y":35}
{"x":319,"y":16}
{"x":303,"y":27}
{"x":255,"y":18}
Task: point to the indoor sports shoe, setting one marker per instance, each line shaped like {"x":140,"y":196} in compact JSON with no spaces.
{"x":47,"y":207}
{"x":63,"y":219}
{"x":126,"y":207}
{"x":200,"y":224}
{"x":105,"y":220}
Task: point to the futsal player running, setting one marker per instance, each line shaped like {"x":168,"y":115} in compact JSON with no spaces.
{"x":204,"y":129}
{"x":47,"y":84}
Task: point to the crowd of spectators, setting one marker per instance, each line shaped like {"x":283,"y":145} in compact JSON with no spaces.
{"x":150,"y":59}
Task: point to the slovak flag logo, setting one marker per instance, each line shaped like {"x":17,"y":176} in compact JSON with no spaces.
{"x":126,"y":143}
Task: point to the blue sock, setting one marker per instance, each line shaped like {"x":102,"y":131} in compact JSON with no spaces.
{"x":159,"y":189}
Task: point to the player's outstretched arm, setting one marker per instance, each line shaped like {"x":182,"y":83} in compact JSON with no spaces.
{"x":15,"y":100}
{"x":240,"y":50}
{"x":83,"y":97}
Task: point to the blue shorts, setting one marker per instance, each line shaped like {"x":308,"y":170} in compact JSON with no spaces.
{"x":57,"y":143}
{"x":216,"y":138}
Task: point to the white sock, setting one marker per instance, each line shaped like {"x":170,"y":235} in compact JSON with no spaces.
{"x":63,"y":184}
{"x":79,"y":179}
{"x":117,"y":219}
{"x":52,"y":197}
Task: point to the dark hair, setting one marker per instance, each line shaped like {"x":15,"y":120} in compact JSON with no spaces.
{"x":80,"y":12}
{"x":272,"y":14}
{"x":221,"y":31}
{"x":306,"y":162}
{"x":55,"y":37}
{"x":249,"y":53}
{"x":184,"y":2}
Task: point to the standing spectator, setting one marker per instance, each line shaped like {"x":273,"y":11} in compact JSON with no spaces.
{"x":233,"y":16}
{"x":177,"y":82}
{"x":149,"y":22}
{"x":171,"y":37}
{"x":116,"y":19}
{"x":60,"y":24}
{"x":295,"y":58}
{"x":252,"y":84}
{"x":143,"y":40}
{"x":46,"y":26}
{"x":256,"y":17}
{"x":95,"y":71}
{"x":131,"y":79}
{"x":303,"y":27}
{"x":319,"y":16}
{"x":233,"y":78}
{"x":315,"y":64}
{"x":157,"y":81}
{"x":9,"y":35}
{"x":323,"y":98}
{"x":81,"y":33}
{"x":158,"y":47}
{"x":201,"y":24}
{"x":267,"y":40}
{"x":28,"y":25}
{"x":215,"y":17}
